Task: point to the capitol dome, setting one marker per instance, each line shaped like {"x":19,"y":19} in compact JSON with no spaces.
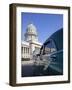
{"x":31,"y":29}
{"x":31,"y":33}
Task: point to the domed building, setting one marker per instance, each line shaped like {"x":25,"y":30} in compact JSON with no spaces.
{"x":30,"y":45}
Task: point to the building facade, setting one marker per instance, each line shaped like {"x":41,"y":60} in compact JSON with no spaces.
{"x":30,"y":45}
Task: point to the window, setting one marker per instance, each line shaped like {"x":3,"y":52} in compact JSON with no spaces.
{"x":49,"y":47}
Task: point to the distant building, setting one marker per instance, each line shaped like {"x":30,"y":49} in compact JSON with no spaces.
{"x":30,"y":45}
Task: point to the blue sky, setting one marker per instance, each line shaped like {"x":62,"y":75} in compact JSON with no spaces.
{"x":46,"y":24}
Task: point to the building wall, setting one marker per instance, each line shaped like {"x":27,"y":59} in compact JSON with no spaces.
{"x":28,"y":49}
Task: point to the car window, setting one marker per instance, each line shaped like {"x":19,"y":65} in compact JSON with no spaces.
{"x":49,"y":47}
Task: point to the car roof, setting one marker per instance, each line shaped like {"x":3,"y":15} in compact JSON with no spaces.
{"x":57,"y":37}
